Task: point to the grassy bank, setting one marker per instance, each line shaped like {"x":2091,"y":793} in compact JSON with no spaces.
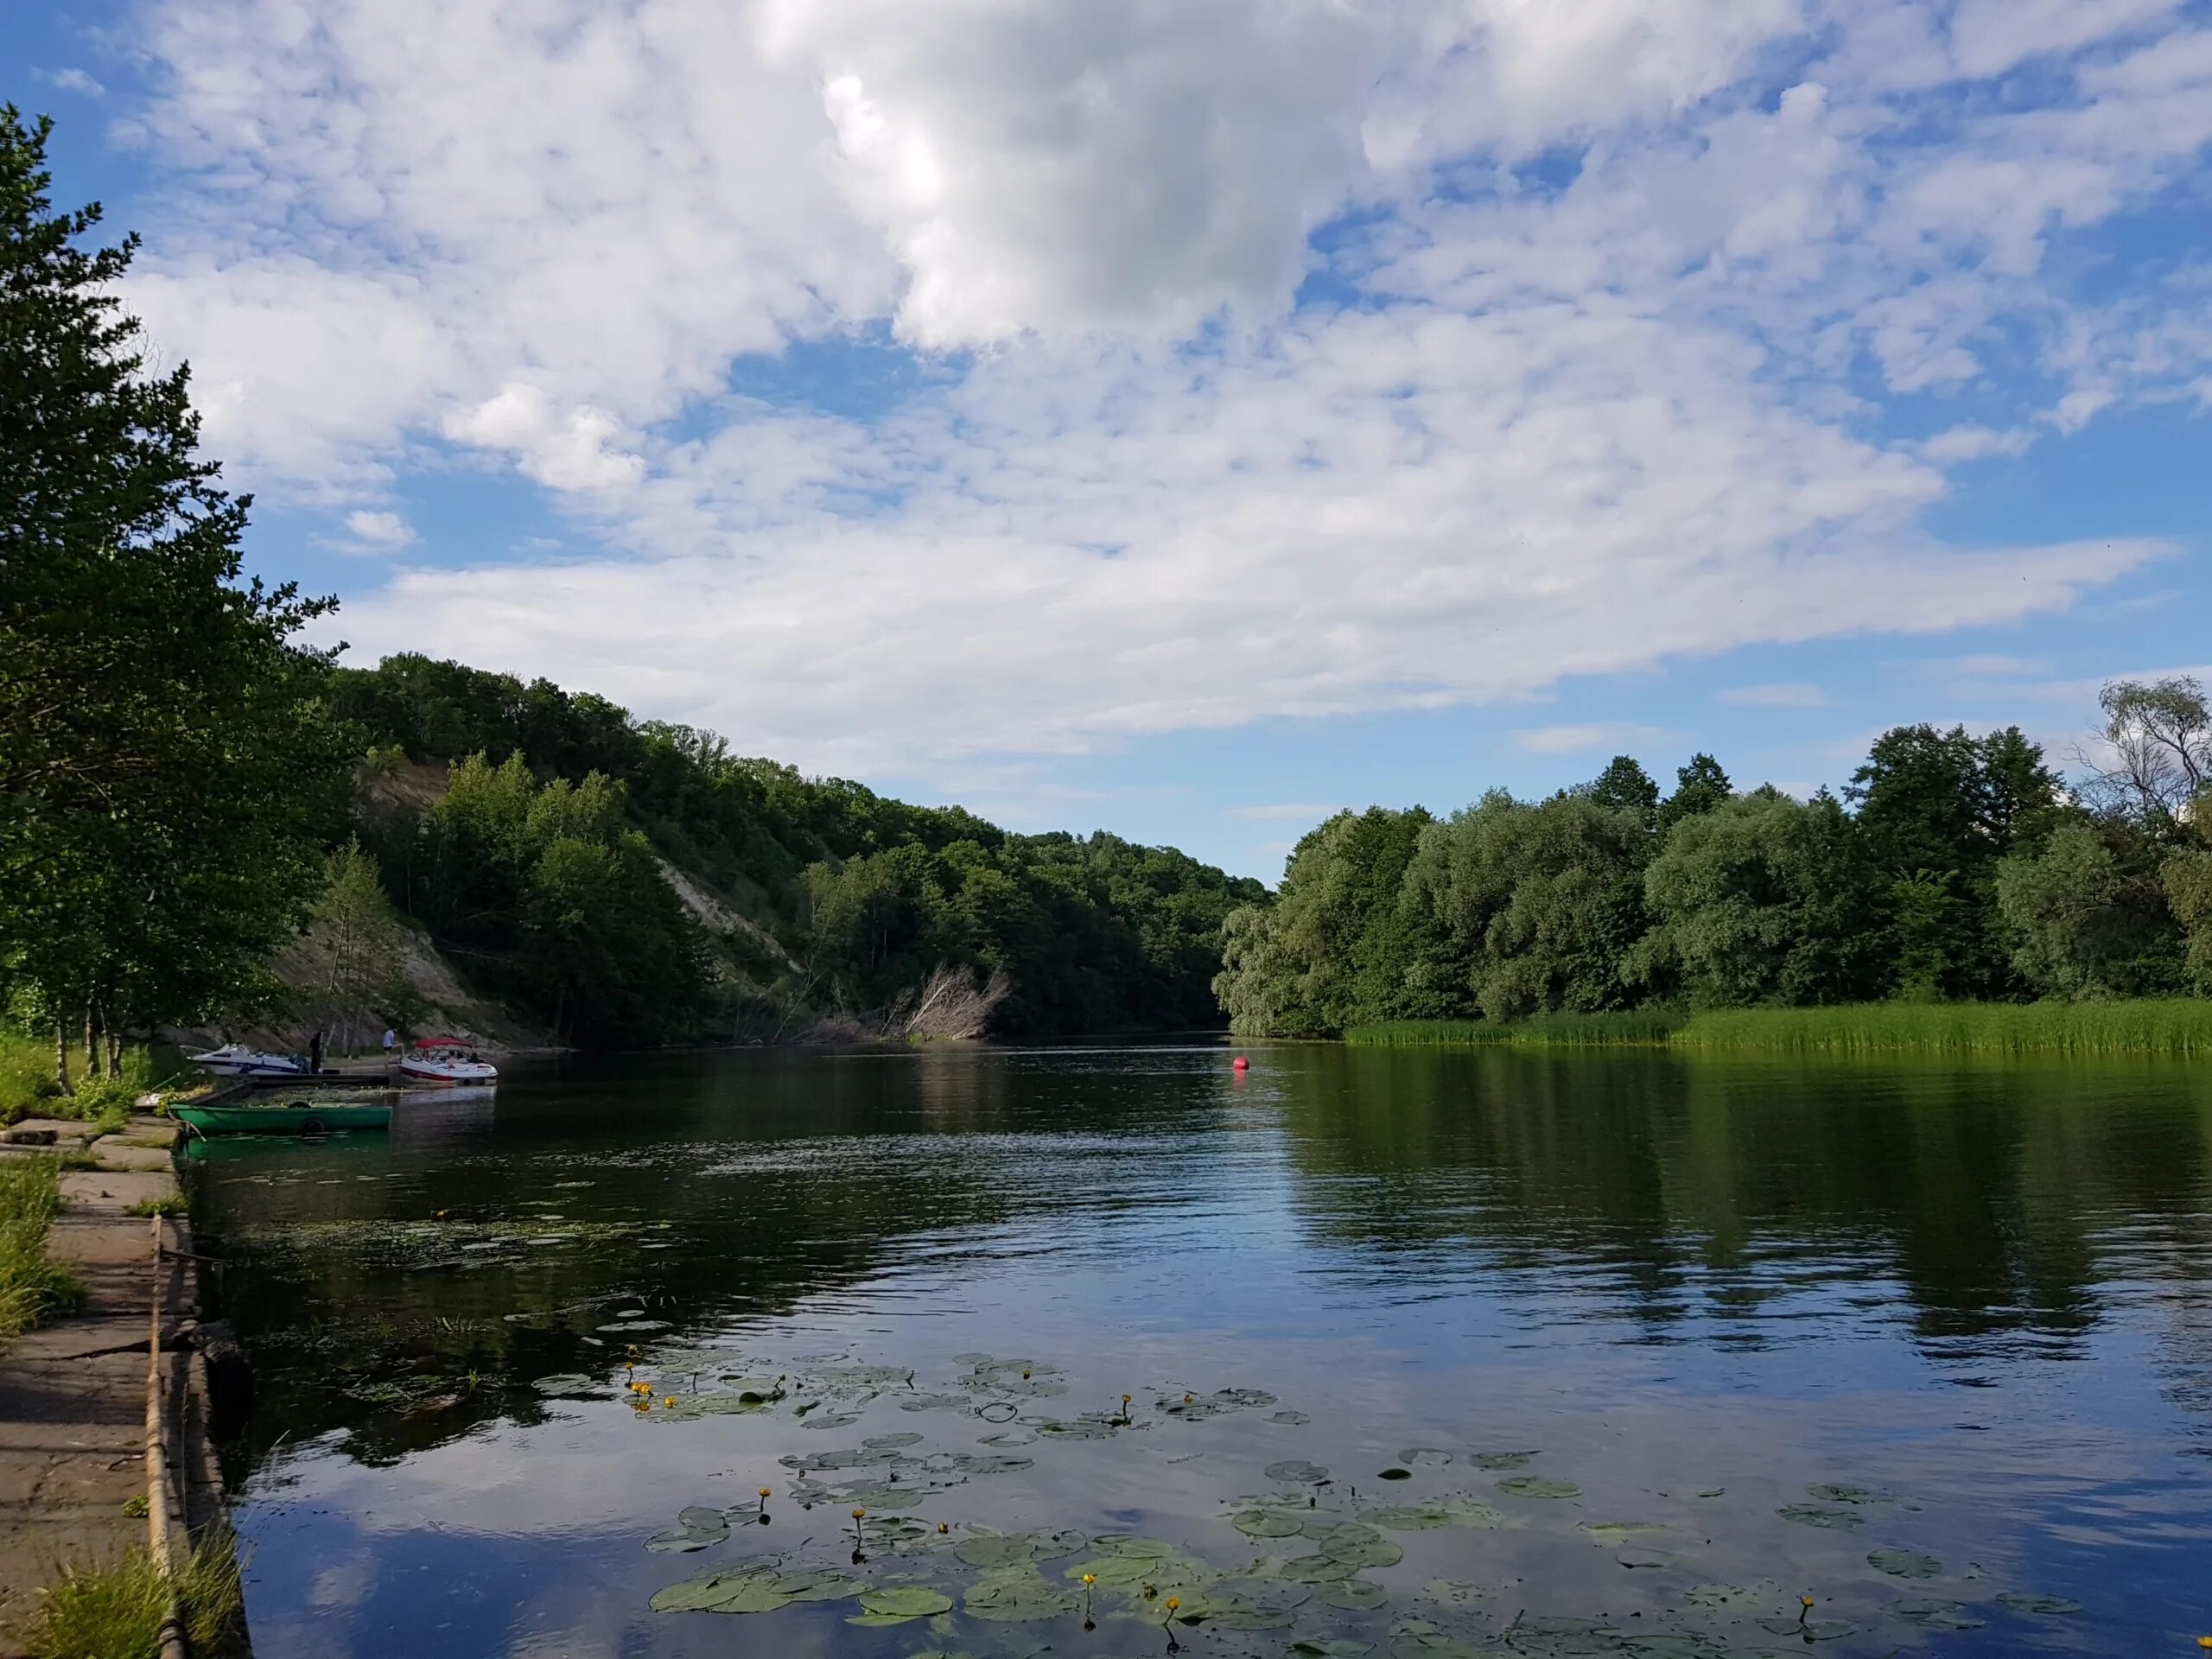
{"x":1643,"y":1029}
{"x":32,"y":1289}
{"x":116,"y":1612}
{"x":27,"y":1089}
{"x":2180,"y":1025}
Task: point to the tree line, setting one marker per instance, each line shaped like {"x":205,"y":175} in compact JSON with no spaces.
{"x":1951,"y":866}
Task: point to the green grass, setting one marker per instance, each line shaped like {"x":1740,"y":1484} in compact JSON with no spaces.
{"x":32,"y":1289}
{"x":2176,"y":1025}
{"x":27,"y":1089}
{"x":173,"y":1204}
{"x":1644,"y":1028}
{"x":116,"y":1612}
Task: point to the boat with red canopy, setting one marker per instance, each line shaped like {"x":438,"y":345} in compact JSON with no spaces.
{"x":446,"y":1060}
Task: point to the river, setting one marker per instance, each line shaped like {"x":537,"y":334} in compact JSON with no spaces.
{"x":1427,"y":1353}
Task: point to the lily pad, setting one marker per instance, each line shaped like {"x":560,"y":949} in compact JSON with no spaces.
{"x":565,"y":1383}
{"x":1496,"y":1460}
{"x":1266,"y":1523}
{"x":1817,"y":1515}
{"x":1295,"y":1419}
{"x":1425,"y":1457}
{"x":818,"y":1584}
{"x":897,"y":1603}
{"x":1937,"y":1615}
{"x":749,"y":1590}
{"x":1611,"y":1535}
{"x":2022,"y":1601}
{"x":1013,"y":1548}
{"x":1015,"y":1595}
{"x":891,"y":1442}
{"x":1570,"y":1638}
{"x":1538,"y":1486}
{"x":1904,"y":1564}
{"x":1352,"y":1595}
{"x":1425,"y":1517}
{"x":1296,"y":1471}
{"x":1317,"y":1569}
{"x":1395,"y":1474}
{"x":1339,"y":1648}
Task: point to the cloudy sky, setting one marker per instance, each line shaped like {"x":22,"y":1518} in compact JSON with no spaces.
{"x":1186,"y":417}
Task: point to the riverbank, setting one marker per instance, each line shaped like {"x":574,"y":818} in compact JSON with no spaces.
{"x":106,"y":1465}
{"x":2180,"y":1026}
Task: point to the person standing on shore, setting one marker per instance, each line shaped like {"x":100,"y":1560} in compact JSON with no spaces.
{"x":315,"y":1052}
{"x":390,"y":1041}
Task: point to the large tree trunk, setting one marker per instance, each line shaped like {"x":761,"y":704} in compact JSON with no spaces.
{"x":93,"y":1067}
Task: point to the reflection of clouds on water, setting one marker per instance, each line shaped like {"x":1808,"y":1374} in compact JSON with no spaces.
{"x":1673,"y":1280}
{"x":342,"y":1585}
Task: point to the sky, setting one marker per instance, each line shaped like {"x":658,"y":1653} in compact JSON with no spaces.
{"x":1188,"y":417}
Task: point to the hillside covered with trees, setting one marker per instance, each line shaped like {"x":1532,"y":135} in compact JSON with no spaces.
{"x":1952,"y":867}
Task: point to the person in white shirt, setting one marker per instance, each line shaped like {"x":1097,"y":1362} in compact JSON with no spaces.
{"x":390,"y":1042}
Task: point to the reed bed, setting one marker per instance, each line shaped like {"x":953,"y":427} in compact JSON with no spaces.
{"x":2174,"y":1025}
{"x":1643,"y":1029}
{"x":2179,"y":1026}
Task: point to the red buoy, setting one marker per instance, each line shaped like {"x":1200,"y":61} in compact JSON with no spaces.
{"x":1240,"y":1065}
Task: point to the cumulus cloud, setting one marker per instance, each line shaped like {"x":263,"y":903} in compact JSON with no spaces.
{"x":1785,"y":694}
{"x":1291,"y":357}
{"x":1584,"y":737}
{"x":379,"y":533}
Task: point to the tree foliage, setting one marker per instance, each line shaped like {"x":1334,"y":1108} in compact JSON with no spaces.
{"x":167,"y":768}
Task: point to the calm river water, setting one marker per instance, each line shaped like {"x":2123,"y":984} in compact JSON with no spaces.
{"x":1426,"y":1354}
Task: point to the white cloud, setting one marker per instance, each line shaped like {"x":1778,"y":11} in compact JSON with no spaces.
{"x":1613,"y":288}
{"x":1785,"y":695}
{"x":379,"y":532}
{"x":1586,"y":736}
{"x":1971,"y":443}
{"x":72,"y":81}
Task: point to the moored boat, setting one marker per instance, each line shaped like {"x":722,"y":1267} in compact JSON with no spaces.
{"x":237,"y":1060}
{"x":446,"y":1060}
{"x":290,"y":1117}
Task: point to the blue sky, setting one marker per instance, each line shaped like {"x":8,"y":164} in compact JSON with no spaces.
{"x":1187,"y":419}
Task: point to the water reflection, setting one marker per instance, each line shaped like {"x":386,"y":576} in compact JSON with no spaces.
{"x":1686,"y":1270}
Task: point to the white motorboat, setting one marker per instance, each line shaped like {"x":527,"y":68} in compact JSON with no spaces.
{"x":446,"y":1060}
{"x":237,"y":1060}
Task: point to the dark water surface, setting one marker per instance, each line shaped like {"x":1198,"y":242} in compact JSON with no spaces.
{"x":1931,"y":1345}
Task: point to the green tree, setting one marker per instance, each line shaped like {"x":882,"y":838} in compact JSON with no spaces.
{"x":1699,"y":787}
{"x":2187,"y":878}
{"x":1763,"y":899}
{"x":354,"y":941}
{"x":2083,"y":925}
{"x":167,"y":765}
{"x":2159,"y":735}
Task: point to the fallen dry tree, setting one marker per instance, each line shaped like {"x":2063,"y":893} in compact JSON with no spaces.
{"x":953,"y":1005}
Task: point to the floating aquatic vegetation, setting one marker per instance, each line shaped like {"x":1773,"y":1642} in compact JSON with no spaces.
{"x":1933,"y":1615}
{"x":1267,"y":1523}
{"x":569,"y":1384}
{"x":1022,"y":1436}
{"x":1012,"y":1595}
{"x":1244,"y":1604}
{"x":1818,"y":1515}
{"x":764,"y":1587}
{"x":1291,"y":1419}
{"x":1634,"y":1559}
{"x":1395,"y":1474}
{"x":1296,"y":1471}
{"x":1497,"y":1461}
{"x":695,"y":1529}
{"x":900,"y":1604}
{"x":1450,"y":1593}
{"x":830,"y":1419}
{"x":1538,"y":1486}
{"x":1336,"y":1648}
{"x":1447,"y":1512}
{"x":934,"y":1402}
{"x":1081,"y":1428}
{"x":1904,"y":1564}
{"x":1419,"y":1641}
{"x":1012,"y":1549}
{"x":1673,"y":1647}
{"x":2022,"y":1601}
{"x":1425,"y":1457}
{"x":1611,"y":1535}
{"x":1352,"y":1595}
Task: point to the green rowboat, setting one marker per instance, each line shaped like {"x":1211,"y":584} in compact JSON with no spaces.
{"x":296,"y":1117}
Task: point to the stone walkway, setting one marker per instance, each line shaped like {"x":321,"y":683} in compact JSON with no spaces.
{"x":72,"y":1396}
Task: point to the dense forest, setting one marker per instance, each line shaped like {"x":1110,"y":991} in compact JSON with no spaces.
{"x":1952,"y":867}
{"x":539,"y":867}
